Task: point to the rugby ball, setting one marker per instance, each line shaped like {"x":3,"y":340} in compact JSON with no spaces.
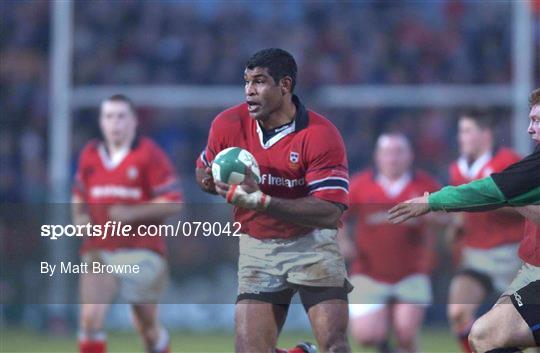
{"x":229,"y":166}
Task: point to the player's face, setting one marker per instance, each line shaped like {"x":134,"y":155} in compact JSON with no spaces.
{"x":393,"y":156}
{"x":117,"y":122}
{"x":470,"y":137}
{"x":263,"y":95}
{"x":534,"y":125}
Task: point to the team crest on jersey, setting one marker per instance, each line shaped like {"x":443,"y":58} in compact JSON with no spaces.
{"x":132,"y":173}
{"x":294,"y":157}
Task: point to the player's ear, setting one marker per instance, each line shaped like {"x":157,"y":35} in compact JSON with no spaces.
{"x":286,"y":85}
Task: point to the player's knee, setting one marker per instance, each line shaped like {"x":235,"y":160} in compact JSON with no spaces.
{"x":459,"y":314}
{"x":482,"y":338}
{"x":406,"y":338}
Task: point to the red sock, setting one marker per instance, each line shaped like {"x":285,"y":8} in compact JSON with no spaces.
{"x":92,"y":347}
{"x":292,"y":350}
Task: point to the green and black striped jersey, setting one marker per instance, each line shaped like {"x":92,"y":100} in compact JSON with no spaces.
{"x":517,"y":185}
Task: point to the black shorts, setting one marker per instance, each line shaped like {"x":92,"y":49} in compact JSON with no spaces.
{"x":527,"y":302}
{"x":309,"y":296}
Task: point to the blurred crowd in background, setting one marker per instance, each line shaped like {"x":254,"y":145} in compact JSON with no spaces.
{"x":208,"y":43}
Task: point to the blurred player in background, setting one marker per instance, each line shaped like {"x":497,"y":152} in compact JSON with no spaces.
{"x":487,"y":242}
{"x":514,"y":322}
{"x":389,"y":264}
{"x":290,"y":220}
{"x":123,"y":178}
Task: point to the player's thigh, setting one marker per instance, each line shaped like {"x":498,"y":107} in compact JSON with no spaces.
{"x":407,"y":319}
{"x":257,"y":325}
{"x":147,"y":285}
{"x":97,"y":288}
{"x":369,"y":323}
{"x":502,"y":326}
{"x":97,"y":291}
{"x":467,"y":291}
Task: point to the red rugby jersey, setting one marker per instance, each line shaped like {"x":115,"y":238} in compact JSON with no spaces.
{"x":486,"y":230}
{"x":389,"y":252}
{"x":529,"y":249}
{"x":143,"y":174}
{"x":305,"y":158}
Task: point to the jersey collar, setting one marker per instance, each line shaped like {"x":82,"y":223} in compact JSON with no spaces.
{"x":395,"y":188}
{"x":299,"y":122}
{"x":111,"y":162}
{"x":471,"y":171}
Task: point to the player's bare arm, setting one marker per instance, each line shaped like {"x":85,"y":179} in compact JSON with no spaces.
{"x":307,"y":211}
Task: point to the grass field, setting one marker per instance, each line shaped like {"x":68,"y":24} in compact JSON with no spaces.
{"x":19,"y":341}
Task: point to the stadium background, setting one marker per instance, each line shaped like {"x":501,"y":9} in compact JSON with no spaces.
{"x":368,"y":66}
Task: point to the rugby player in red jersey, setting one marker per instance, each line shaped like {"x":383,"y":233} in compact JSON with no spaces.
{"x":514,"y":322}
{"x":488,"y":241}
{"x":289,"y":221}
{"x":124,"y":178}
{"x":390,"y":264}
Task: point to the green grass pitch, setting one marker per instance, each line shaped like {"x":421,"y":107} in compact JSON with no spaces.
{"x":18,"y":341}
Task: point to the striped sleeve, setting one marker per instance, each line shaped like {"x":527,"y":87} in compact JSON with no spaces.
{"x":521,"y":181}
{"x":162,"y":177}
{"x":327,"y":174}
{"x":517,"y":185}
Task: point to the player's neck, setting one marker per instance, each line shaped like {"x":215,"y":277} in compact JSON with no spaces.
{"x":116,"y":148}
{"x":482,"y":152}
{"x":393,"y":178}
{"x":280,"y":117}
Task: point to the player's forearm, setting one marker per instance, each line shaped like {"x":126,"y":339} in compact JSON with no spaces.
{"x":531,"y":212}
{"x":478,"y":195}
{"x":307,"y":211}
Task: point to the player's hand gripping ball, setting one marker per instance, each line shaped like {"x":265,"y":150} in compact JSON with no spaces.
{"x":230,"y":165}
{"x":236,"y":174}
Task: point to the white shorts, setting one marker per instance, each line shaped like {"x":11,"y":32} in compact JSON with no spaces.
{"x":526,"y":275}
{"x":499,"y":264}
{"x":147,"y":285}
{"x":370,"y":295}
{"x":272,"y":265}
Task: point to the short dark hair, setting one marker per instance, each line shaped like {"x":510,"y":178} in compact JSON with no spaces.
{"x":122,"y":98}
{"x":534,"y":98}
{"x":481,"y":118}
{"x":279,"y":63}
